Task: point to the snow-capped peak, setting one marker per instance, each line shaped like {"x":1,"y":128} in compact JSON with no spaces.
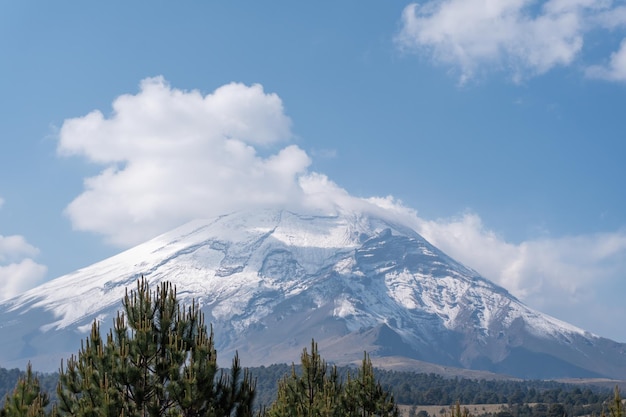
{"x":271,"y":280}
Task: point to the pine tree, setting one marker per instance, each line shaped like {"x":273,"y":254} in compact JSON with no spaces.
{"x":616,"y":409}
{"x":455,"y":411}
{"x":158,"y":360}
{"x":319,"y":391}
{"x":314,"y":393}
{"x":365,"y":397}
{"x":27,"y":399}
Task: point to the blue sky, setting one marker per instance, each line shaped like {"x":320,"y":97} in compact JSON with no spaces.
{"x":501,"y":124}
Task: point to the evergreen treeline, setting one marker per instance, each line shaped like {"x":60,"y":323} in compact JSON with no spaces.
{"x":159,"y":360}
{"x":431,"y":389}
{"x":9,"y":378}
{"x":415,"y":389}
{"x":319,"y":391}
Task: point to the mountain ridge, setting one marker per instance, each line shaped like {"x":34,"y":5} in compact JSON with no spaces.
{"x":271,"y":280}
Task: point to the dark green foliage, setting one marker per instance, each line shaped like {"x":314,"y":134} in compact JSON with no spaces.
{"x":10,"y":377}
{"x":457,"y":411}
{"x":158,"y":360}
{"x":365,"y":396}
{"x":267,"y":378}
{"x":433,"y":389}
{"x":27,"y":399}
{"x":557,"y":410}
{"x":319,"y":391}
{"x":616,"y":406}
{"x":315,"y":392}
{"x":8,"y":381}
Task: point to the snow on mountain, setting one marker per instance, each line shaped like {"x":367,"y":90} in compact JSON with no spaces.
{"x":271,"y":280}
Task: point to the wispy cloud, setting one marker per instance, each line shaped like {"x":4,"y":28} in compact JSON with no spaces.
{"x":13,"y":247}
{"x":324,"y":153}
{"x":523,"y":38}
{"x":615,"y":70}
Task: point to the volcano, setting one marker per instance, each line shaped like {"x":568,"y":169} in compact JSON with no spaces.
{"x":269,"y":281}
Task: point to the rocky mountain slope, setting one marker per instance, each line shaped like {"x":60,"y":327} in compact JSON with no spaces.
{"x":269,"y":281}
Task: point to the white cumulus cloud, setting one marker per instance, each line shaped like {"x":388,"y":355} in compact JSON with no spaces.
{"x":18,"y":277}
{"x":170,"y":155}
{"x":13,"y":247}
{"x":18,"y":271}
{"x":521,"y":37}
